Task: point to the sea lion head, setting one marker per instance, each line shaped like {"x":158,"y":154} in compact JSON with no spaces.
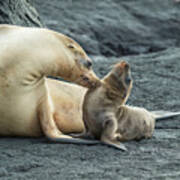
{"x":82,"y":72}
{"x":119,"y":79}
{"x":122,"y":73}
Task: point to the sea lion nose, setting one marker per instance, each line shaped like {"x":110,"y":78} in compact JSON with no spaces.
{"x":128,"y":80}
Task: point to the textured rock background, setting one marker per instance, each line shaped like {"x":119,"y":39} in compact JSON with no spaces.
{"x":146,"y":34}
{"x":19,"y":12}
{"x":115,"y":27}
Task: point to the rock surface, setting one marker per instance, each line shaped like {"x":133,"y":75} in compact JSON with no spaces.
{"x":18,"y":12}
{"x":115,"y":27}
{"x":146,"y":34}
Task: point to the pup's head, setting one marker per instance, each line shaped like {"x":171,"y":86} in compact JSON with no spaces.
{"x":81,"y":72}
{"x":120,"y":79}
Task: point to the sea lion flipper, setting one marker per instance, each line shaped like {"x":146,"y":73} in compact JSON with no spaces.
{"x":74,"y":141}
{"x":118,"y":145}
{"x":160,"y":115}
{"x":113,"y":142}
{"x":84,"y":135}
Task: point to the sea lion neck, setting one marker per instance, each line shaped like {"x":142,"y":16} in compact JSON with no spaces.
{"x":63,"y":69}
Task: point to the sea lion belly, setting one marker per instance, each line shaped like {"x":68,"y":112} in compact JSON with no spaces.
{"x":18,"y":110}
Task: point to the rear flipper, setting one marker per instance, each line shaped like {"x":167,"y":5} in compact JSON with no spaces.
{"x":117,"y":145}
{"x":84,"y":135}
{"x":114,"y":144}
{"x":160,"y":115}
{"x":74,"y":141}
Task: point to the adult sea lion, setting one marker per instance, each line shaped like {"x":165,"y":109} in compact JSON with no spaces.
{"x":27,"y":104}
{"x":27,"y":55}
{"x":67,"y":101}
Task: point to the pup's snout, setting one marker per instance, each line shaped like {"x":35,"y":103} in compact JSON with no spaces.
{"x":128,"y":80}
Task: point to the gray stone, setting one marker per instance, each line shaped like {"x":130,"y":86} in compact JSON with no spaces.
{"x":18,"y":12}
{"x":115,"y":27}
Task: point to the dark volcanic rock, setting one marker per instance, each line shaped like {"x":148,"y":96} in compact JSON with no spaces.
{"x":115,"y":27}
{"x":18,"y":12}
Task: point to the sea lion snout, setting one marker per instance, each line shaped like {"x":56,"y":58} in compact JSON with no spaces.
{"x":90,"y":80}
{"x":121,"y":67}
{"x":124,"y":64}
{"x":128,"y":79}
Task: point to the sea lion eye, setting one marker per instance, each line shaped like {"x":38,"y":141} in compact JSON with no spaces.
{"x":86,"y":63}
{"x":71,"y":46}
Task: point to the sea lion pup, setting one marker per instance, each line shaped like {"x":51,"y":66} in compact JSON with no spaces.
{"x":102,"y":102}
{"x":27,"y":56}
{"x":134,"y":123}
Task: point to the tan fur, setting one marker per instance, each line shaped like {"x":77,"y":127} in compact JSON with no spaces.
{"x":67,"y":101}
{"x":32,"y":105}
{"x":27,"y":55}
{"x":101,"y":104}
{"x":134,"y":123}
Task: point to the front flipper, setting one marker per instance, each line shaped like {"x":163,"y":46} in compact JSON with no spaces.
{"x":113,"y":141}
{"x":116,"y":145}
{"x":160,"y":115}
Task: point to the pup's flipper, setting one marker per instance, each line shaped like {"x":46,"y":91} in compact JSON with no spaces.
{"x":159,"y":115}
{"x":113,"y":143}
{"x":120,"y":146}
